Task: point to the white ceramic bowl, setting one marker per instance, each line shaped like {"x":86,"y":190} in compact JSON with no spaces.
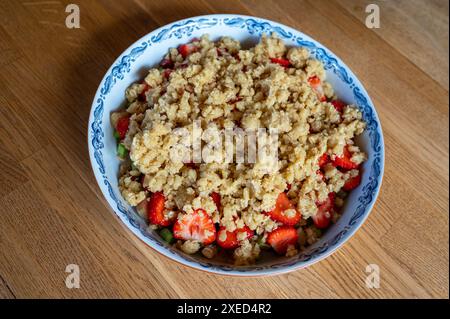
{"x":148,"y":51}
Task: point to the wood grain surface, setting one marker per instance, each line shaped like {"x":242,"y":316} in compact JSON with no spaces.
{"x":53,"y":214}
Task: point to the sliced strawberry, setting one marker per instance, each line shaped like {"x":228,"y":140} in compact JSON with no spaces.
{"x":231,"y":241}
{"x":325,"y":212}
{"x":278,"y":213}
{"x":222,"y":51}
{"x":324,"y":160}
{"x":314,"y":81}
{"x":216,"y":198}
{"x":316,"y":84}
{"x":166,"y":73}
{"x":155,"y":210}
{"x":328,"y":204}
{"x":344,"y":161}
{"x":197,"y":226}
{"x":186,"y":49}
{"x":166,"y":63}
{"x":281,"y":238}
{"x":338,"y":105}
{"x":142,"y":97}
{"x":122,"y":126}
{"x":281,"y":61}
{"x":353,"y":182}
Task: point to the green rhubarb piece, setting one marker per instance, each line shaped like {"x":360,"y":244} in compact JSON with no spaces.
{"x":116,"y":135}
{"x":122,"y":151}
{"x":167,"y":235}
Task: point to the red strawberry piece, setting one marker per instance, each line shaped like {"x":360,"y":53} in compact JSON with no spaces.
{"x":216,"y":198}
{"x":325,"y":212}
{"x":288,"y":187}
{"x":142,"y":97}
{"x":281,"y":61}
{"x":236,"y":56}
{"x":344,"y":161}
{"x":197,"y":226}
{"x":186,"y":49}
{"x":231,"y":241}
{"x":155,"y":210}
{"x":167,"y":72}
{"x":316,"y":84}
{"x":353,"y":182}
{"x":314,"y":81}
{"x":281,"y":238}
{"x":324,"y":160}
{"x":166,"y":64}
{"x":338,"y":105}
{"x":281,"y":206}
{"x":122,"y":126}
{"x":222,"y":51}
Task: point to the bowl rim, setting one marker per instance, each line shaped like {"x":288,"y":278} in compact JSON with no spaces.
{"x":99,"y":176}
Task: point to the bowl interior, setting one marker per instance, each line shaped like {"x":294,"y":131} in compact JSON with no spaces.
{"x":132,"y":66}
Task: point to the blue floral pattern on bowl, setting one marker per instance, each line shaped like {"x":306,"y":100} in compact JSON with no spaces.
{"x":253,"y":26}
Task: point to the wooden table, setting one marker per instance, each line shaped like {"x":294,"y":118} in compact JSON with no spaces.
{"x":53,"y":214}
